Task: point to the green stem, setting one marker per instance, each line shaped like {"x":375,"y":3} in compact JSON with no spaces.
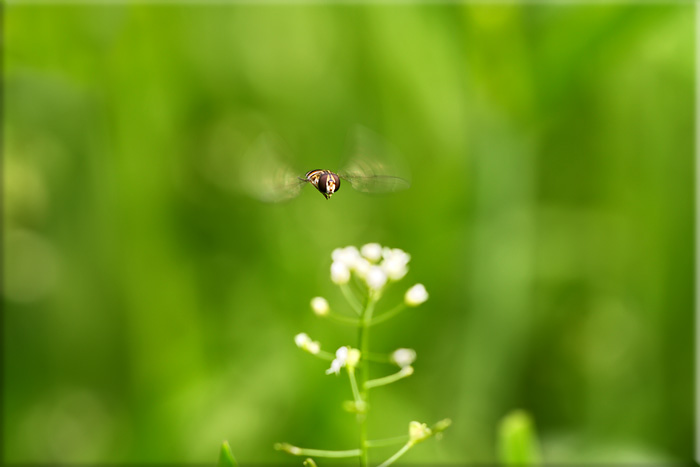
{"x":365,"y":319}
{"x":322,"y":354}
{"x":353,"y":385}
{"x":378,"y":443}
{"x":342,"y":318}
{"x":438,"y":427}
{"x":351,"y":298}
{"x":379,"y":357}
{"x":398,"y":454}
{"x":403,"y":373}
{"x":389,"y":314}
{"x":297,"y":451}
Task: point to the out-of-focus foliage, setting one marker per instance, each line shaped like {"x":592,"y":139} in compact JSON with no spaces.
{"x":517,"y":440}
{"x":225,"y":456}
{"x":149,"y":305}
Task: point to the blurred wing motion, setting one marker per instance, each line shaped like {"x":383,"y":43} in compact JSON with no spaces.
{"x":266,"y":176}
{"x":374,"y":166}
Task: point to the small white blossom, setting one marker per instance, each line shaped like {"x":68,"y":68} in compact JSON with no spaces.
{"x":418,"y":432}
{"x":416,"y":295}
{"x":344,"y":357}
{"x":320,"y":306}
{"x":340,"y":273}
{"x":336,"y":365}
{"x":313,"y":347}
{"x":403,"y":357}
{"x":397,"y":253}
{"x":339,"y":361}
{"x":395,"y":267}
{"x":386,"y":252}
{"x":304,"y":342}
{"x":376,"y":278}
{"x":301,"y":339}
{"x":348,"y":256}
{"x":362,"y":267}
{"x":395,"y":263}
{"x":372,"y":251}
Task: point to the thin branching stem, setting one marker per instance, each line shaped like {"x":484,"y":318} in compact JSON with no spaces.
{"x":379,"y":443}
{"x":297,"y":451}
{"x":337,"y":317}
{"x":351,"y":298}
{"x":403,"y":373}
{"x":389,"y":314}
{"x":379,"y":357}
{"x":322,"y":354}
{"x":365,"y":319}
{"x":353,"y":384}
{"x":397,"y":454}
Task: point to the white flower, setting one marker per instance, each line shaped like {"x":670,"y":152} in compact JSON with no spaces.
{"x":348,"y":256}
{"x":395,"y":267}
{"x":304,"y":342}
{"x":395,"y":253}
{"x":313,"y":347}
{"x":320,"y":306}
{"x":372,"y":251}
{"x":416,"y":295}
{"x":376,"y":278}
{"x":395,"y":263}
{"x":344,"y":356}
{"x":403,"y":357}
{"x":301,"y":339}
{"x":341,"y":356}
{"x":336,"y":365}
{"x":340,"y":273}
{"x":362,"y":267}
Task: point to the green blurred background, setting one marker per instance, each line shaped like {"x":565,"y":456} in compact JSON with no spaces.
{"x":150,"y":306}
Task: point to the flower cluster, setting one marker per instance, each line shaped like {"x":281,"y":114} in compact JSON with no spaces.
{"x":374,"y":264}
{"x":373,"y":267}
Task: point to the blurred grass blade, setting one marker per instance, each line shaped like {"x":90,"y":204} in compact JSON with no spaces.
{"x":225,"y":456}
{"x":518,"y":444}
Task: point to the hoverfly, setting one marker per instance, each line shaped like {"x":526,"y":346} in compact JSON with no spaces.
{"x":373,"y":167}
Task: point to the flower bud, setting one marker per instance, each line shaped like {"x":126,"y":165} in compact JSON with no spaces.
{"x":320,"y":306}
{"x":304,"y":342}
{"x":348,"y":256}
{"x":353,"y":358}
{"x":372,"y":251}
{"x":376,"y":278}
{"x":403,"y":357}
{"x":340,"y":274}
{"x":416,"y":295}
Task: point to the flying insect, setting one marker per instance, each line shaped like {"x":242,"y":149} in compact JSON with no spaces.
{"x":324,"y":181}
{"x":372,"y":167}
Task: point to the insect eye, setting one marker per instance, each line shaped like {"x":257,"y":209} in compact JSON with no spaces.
{"x":328,"y":178}
{"x":336,"y":180}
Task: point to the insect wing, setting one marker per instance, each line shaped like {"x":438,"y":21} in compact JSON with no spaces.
{"x":376,"y":183}
{"x":374,"y":166}
{"x":267,"y":177}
